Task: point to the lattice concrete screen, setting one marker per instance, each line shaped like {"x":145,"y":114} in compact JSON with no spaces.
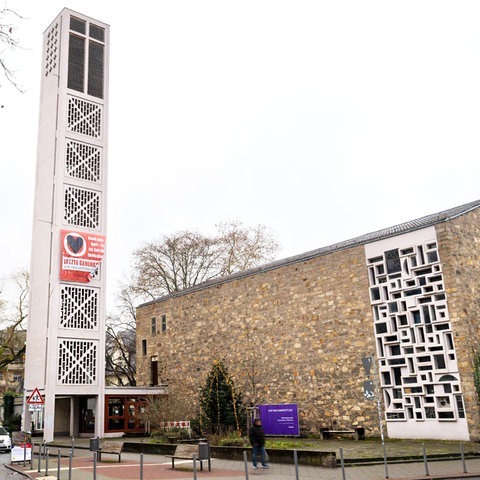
{"x":83,"y":161}
{"x":418,"y":368}
{"x":51,"y":51}
{"x":77,"y":362}
{"x":84,"y":117}
{"x":79,"y":307}
{"x":82,"y":207}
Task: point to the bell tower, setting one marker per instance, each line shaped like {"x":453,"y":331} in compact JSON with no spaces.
{"x":65,"y":356}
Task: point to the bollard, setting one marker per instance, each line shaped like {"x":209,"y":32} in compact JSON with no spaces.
{"x":73,"y":445}
{"x":385,"y":460}
{"x":39,"y":456}
{"x":427,"y":474}
{"x":95,"y":456}
{"x":245,"y":462}
{"x":342,"y":463}
{"x":46,"y":463}
{"x":141,"y":466}
{"x":295,"y":461}
{"x":44,"y":450}
{"x":194,"y":467}
{"x":70,"y":466}
{"x":463,"y":458}
{"x":58,"y":464}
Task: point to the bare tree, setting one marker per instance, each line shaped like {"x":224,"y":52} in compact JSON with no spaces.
{"x":120,"y":351}
{"x":184,"y":259}
{"x":9,"y":40}
{"x":12,"y":333}
{"x":3,"y":304}
{"x":161,"y":409}
{"x":243,"y":248}
{"x":120,"y":341}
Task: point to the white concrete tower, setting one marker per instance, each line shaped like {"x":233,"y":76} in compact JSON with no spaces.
{"x":65,"y":358}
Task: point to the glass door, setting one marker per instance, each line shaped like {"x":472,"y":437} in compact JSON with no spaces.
{"x":87,"y":414}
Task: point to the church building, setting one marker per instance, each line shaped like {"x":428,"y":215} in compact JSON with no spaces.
{"x":298,"y":331}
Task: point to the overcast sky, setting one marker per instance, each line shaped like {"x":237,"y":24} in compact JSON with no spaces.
{"x":320,"y":120}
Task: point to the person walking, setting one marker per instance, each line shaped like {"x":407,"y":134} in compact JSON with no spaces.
{"x":257,"y":439}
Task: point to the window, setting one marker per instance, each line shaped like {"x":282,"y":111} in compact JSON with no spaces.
{"x":430,"y":412}
{"x":154,"y":371}
{"x":164,"y":323}
{"x":96,"y":32}
{"x":95,"y":69}
{"x":116,"y":413}
{"x":144,"y":347}
{"x":443,"y":401}
{"x":77,"y":58}
{"x":393,"y":261}
{"x":77,"y":25}
{"x":153,"y":323}
{"x":76,"y":63}
{"x":460,"y":407}
{"x":439,"y":362}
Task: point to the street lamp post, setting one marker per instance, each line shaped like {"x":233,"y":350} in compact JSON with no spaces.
{"x":370,"y":394}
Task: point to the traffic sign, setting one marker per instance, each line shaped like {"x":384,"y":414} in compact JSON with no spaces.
{"x":35,"y":407}
{"x":35,"y":398}
{"x":368,"y":390}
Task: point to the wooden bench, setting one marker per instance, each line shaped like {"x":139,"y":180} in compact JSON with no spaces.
{"x":187,"y":451}
{"x":112,"y":448}
{"x":358,"y":433}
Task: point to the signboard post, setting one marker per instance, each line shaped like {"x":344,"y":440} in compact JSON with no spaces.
{"x":35,"y":403}
{"x":21,"y":447}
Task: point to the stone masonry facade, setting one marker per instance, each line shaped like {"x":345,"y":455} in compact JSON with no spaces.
{"x":459,"y":242}
{"x":296,"y":331}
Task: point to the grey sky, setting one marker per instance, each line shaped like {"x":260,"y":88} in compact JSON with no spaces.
{"x":320,"y":120}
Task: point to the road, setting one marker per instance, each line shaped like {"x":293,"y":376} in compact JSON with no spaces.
{"x":6,"y":473}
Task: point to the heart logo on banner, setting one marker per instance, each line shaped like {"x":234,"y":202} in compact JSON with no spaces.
{"x":75,"y":243}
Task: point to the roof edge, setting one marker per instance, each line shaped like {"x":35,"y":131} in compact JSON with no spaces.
{"x":400,"y":229}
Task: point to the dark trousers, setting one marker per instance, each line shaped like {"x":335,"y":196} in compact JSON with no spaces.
{"x":259,"y":451}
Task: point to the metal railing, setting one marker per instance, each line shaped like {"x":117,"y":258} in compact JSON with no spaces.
{"x":45,"y":461}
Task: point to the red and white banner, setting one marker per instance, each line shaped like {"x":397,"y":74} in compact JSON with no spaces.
{"x":169,"y":425}
{"x":81,"y":255}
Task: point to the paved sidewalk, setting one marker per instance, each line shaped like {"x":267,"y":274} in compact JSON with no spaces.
{"x":158,"y":467}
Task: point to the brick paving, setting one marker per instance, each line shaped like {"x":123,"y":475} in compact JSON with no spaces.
{"x":158,"y":467}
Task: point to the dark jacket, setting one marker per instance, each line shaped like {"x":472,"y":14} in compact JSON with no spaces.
{"x":257,"y":436}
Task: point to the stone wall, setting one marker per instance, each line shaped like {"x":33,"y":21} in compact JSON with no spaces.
{"x":459,"y":244}
{"x":297,"y":333}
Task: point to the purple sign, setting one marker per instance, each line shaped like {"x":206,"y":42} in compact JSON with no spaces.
{"x":279,"y":419}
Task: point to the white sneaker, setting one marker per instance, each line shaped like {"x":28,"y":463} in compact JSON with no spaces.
{"x":265,"y":466}
{"x":254,"y":467}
